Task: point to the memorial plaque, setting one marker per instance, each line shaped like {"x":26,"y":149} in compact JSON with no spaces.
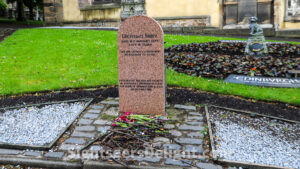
{"x":264,"y":81}
{"x":141,"y":66}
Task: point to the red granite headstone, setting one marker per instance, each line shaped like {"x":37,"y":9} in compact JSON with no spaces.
{"x":141,"y":66}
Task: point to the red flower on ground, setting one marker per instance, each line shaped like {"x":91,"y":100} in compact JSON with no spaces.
{"x":123,"y":117}
{"x":254,"y":69}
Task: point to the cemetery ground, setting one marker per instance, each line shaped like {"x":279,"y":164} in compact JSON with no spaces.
{"x":49,"y":65}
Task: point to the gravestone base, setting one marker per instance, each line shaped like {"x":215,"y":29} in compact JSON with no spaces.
{"x":256,"y":45}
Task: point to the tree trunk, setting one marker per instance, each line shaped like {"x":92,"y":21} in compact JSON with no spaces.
{"x":20,"y":11}
{"x":31,"y":14}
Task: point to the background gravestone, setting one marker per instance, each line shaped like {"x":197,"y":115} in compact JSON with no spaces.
{"x":141,"y":66}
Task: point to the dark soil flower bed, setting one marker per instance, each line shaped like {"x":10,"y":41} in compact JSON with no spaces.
{"x":219,"y":59}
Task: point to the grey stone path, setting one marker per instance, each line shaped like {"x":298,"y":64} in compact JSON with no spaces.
{"x":186,"y":125}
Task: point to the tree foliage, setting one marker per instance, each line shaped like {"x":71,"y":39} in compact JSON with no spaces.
{"x":3,"y":6}
{"x":30,"y":4}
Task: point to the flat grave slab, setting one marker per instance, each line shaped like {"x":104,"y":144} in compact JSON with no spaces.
{"x":37,"y":127}
{"x":264,"y":81}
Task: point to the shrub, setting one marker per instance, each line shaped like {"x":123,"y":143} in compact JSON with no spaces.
{"x":218,"y":60}
{"x":3,"y":6}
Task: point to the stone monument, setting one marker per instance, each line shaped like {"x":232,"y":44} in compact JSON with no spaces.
{"x":256,"y":44}
{"x":141,"y":66}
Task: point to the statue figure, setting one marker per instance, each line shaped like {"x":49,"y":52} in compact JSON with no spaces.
{"x":255,"y":29}
{"x":256,"y":44}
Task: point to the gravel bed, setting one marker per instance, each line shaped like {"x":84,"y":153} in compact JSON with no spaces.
{"x":260,"y":140}
{"x":37,"y":125}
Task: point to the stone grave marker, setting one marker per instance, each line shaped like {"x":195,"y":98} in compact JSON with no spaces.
{"x":141,"y":66}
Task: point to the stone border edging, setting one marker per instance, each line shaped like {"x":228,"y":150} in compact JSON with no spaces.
{"x":40,"y":163}
{"x":51,"y":144}
{"x":253,"y":113}
{"x":43,"y":163}
{"x":236,"y":163}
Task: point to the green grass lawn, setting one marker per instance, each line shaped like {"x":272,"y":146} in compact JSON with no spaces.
{"x":48,"y":59}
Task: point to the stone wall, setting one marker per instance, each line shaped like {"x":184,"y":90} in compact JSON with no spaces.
{"x":53,"y":11}
{"x":132,"y":8}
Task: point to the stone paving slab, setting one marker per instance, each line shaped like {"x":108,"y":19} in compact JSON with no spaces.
{"x":208,"y":166}
{"x":33,"y":153}
{"x":97,"y":107}
{"x":75,"y":141}
{"x":189,"y":141}
{"x":85,"y":121}
{"x":10,"y":152}
{"x":190,"y":127}
{"x":67,"y":147}
{"x":91,"y":116}
{"x":178,"y":106}
{"x":54,"y":154}
{"x":85,"y":128}
{"x":95,"y":111}
{"x":184,"y":163}
{"x":83,"y":134}
{"x":102,"y":122}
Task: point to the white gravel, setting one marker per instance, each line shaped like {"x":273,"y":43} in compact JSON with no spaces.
{"x":37,"y":126}
{"x":256,"y":140}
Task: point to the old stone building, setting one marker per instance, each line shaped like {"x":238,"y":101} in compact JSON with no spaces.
{"x":179,"y":15}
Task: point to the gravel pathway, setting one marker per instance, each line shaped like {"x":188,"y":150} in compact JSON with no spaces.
{"x":37,"y":125}
{"x":256,"y":140}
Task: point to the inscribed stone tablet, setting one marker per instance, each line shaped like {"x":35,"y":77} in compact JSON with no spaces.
{"x":141,"y":66}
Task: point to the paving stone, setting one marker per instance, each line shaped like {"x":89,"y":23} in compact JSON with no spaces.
{"x":91,"y":116}
{"x":194,"y":123}
{"x":172,"y":146}
{"x":67,"y":147}
{"x":161,"y":140}
{"x":194,"y":149}
{"x":85,"y":128}
{"x":85,"y":121}
{"x":94,"y":111}
{"x":83,"y":134}
{"x":147,"y":159}
{"x":113,"y":111}
{"x":54,"y":154}
{"x":208,"y":166}
{"x":190,"y":155}
{"x":169,"y":126}
{"x":190,"y":127}
{"x":9,"y":152}
{"x":170,"y":161}
{"x":75,"y":141}
{"x":33,"y":153}
{"x":96,"y":148}
{"x":103,"y":129}
{"x":189,"y":141}
{"x":195,"y":118}
{"x":110,"y":102}
{"x":178,"y":106}
{"x":102,"y":122}
{"x":97,"y":106}
{"x":195,"y":114}
{"x":195,"y":134}
{"x":175,"y":133}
